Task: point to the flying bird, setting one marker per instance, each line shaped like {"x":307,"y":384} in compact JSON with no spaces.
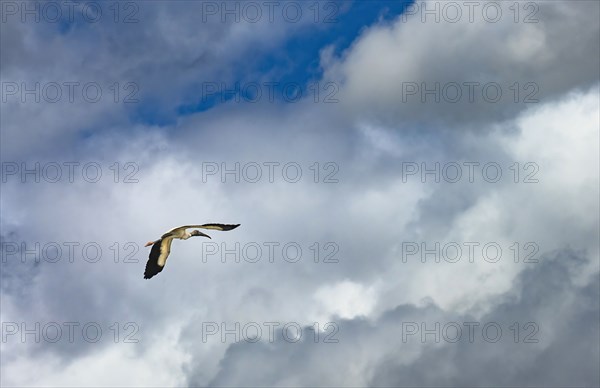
{"x":162,"y":247}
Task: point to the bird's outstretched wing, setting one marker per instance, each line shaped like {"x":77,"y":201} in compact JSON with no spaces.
{"x":222,"y":227}
{"x":158,"y":257}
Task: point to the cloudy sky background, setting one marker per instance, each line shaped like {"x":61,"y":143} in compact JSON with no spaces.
{"x":362,"y":55}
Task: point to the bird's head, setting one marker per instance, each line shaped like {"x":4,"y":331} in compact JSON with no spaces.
{"x":198,"y":233}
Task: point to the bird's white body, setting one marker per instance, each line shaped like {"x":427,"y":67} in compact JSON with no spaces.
{"x":179,"y":233}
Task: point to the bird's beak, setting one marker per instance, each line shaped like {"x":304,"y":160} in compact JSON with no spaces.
{"x":199,"y":233}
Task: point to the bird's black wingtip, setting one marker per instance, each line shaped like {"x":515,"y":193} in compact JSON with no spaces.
{"x":155,"y":270}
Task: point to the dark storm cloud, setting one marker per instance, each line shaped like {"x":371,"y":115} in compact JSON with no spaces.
{"x":548,"y":294}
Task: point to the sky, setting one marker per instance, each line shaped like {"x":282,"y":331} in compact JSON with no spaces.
{"x":417,"y":185}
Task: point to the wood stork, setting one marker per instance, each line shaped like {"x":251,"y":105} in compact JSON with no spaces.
{"x":162,"y":247}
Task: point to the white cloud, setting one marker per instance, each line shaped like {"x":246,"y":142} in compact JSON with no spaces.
{"x":345,"y":299}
